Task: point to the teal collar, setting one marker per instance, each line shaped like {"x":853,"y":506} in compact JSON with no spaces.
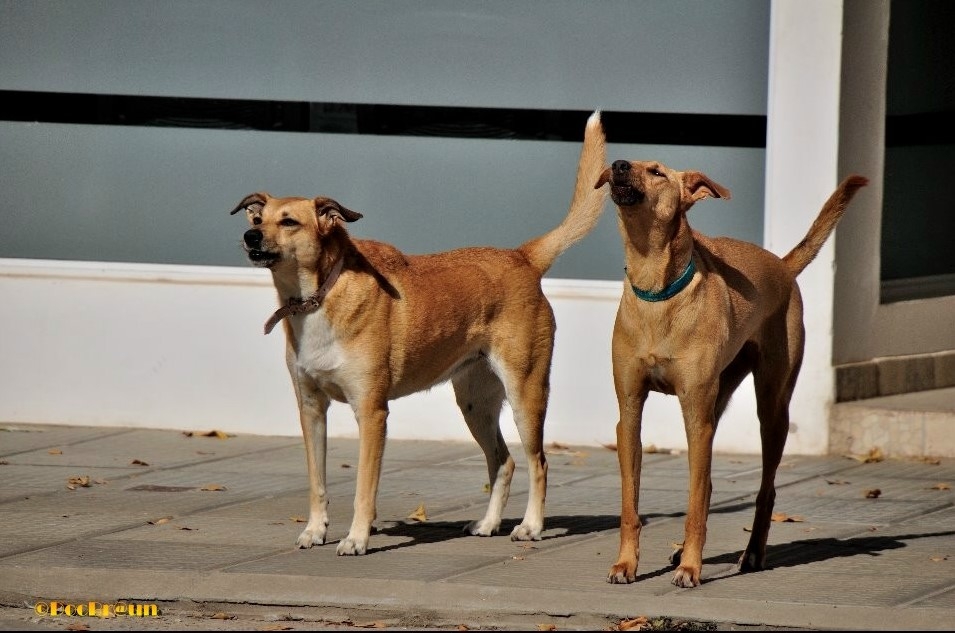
{"x":672,"y":289}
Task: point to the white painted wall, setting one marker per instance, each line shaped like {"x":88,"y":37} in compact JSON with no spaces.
{"x":802,"y":151}
{"x":181,"y":347}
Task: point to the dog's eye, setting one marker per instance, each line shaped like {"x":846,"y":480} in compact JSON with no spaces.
{"x":288,"y":222}
{"x":656,"y":172}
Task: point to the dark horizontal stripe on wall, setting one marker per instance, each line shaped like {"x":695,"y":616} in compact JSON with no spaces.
{"x":654,"y":128}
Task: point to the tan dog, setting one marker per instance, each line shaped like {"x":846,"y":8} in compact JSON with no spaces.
{"x":376,"y":324}
{"x":699,"y":314}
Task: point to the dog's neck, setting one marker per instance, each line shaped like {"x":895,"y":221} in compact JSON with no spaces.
{"x":305,"y":290}
{"x":656,"y":254}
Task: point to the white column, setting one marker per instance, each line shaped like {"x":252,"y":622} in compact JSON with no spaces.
{"x":802,"y":151}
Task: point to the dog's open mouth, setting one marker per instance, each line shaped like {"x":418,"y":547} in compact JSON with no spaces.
{"x":262,"y":258}
{"x":625,"y":195}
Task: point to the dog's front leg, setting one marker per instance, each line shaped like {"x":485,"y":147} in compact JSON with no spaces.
{"x":630,"y":456}
{"x":698,"y":405}
{"x":313,"y":414}
{"x":372,"y":415}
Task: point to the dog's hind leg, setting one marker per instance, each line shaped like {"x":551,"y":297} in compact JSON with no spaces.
{"x":313,"y":410}
{"x":480,"y":394}
{"x":775,"y":378}
{"x":526,"y":382}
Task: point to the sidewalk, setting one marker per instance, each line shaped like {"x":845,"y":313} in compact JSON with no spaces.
{"x":204,"y":525}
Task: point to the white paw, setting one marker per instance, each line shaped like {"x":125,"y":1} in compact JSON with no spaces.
{"x":482,"y":528}
{"x":352,"y":547}
{"x":526,"y":533}
{"x":311,"y":536}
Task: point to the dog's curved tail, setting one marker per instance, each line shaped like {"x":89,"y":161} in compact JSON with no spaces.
{"x":585,"y":207}
{"x":799,"y":257}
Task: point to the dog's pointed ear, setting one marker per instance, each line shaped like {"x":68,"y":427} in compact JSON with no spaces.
{"x":259,"y":197}
{"x":697,"y":186}
{"x":329,"y":207}
{"x":603,"y":180}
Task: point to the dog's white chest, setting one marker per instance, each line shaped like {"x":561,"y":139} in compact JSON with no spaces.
{"x":318,"y":347}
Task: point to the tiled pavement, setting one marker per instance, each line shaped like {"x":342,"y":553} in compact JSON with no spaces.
{"x":232,"y":510}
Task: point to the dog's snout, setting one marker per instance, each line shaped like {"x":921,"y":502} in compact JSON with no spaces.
{"x":253,"y":238}
{"x":621,"y":167}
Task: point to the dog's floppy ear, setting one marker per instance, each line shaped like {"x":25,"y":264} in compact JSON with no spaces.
{"x":259,"y":197}
{"x":697,"y":186}
{"x":603,"y":180}
{"x":327,"y":206}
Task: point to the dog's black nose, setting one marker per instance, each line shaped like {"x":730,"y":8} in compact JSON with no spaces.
{"x":621,"y":166}
{"x":253,"y":238}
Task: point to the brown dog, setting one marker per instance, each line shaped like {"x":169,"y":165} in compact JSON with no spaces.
{"x":365,"y":324}
{"x":698,"y":315}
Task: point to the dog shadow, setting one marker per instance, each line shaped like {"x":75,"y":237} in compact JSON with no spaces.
{"x":782,"y":555}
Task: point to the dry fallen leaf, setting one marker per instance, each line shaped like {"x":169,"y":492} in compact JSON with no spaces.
{"x":938,"y":558}
{"x":547,"y":627}
{"x":160,"y":521}
{"x":55,"y":451}
{"x":276,"y":627}
{"x":487,"y":487}
{"x":377,"y":624}
{"x":874,"y":455}
{"x":462,"y":627}
{"x":138,"y":462}
{"x":212,"y":488}
{"x":298,"y":519}
{"x":636,"y":624}
{"x":932,"y":461}
{"x":222,"y":615}
{"x":782,"y":517}
{"x":184,"y":528}
{"x":419,"y":514}
{"x":214,"y":433}
{"x":837,"y":482}
{"x":78,"y":480}
{"x":78,"y":626}
{"x":556,"y":448}
{"x":517,"y":558}
{"x":941,"y":486}
{"x":873,"y":493}
{"x":346,"y":465}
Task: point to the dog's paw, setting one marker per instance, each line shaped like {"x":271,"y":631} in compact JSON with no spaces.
{"x":622,"y":573}
{"x":686,"y":578}
{"x":482,"y":528}
{"x":525,"y":532}
{"x":750,"y":561}
{"x":352,"y":547}
{"x":310,"y":537}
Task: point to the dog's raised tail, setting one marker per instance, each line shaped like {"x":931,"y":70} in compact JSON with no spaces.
{"x":585,"y":207}
{"x":799,"y":257}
